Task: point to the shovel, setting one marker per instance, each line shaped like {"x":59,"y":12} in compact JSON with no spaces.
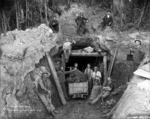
{"x":130,"y":56}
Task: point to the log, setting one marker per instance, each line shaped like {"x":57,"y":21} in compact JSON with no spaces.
{"x":56,"y":79}
{"x":85,"y":54}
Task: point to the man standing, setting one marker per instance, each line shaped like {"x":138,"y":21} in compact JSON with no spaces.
{"x":75,"y":66}
{"x":107,"y":21}
{"x":67,"y":47}
{"x":54,"y":24}
{"x":96,"y":76}
{"x":88,"y":71}
{"x":138,"y":54}
{"x":81,"y":24}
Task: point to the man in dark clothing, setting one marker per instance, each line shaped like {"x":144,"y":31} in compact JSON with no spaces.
{"x":138,"y":54}
{"x":81,"y":24}
{"x":107,"y":21}
{"x":61,"y":75}
{"x":54,"y":24}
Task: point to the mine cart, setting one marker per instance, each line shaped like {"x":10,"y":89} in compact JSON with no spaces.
{"x":78,"y":89}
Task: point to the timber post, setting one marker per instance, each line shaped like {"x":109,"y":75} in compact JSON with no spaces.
{"x":56,"y":79}
{"x":105,"y":68}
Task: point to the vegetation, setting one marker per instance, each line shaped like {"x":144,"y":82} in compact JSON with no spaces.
{"x":22,"y":14}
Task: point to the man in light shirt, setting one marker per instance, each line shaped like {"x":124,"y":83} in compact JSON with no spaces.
{"x":96,"y":77}
{"x":67,"y":47}
{"x":88,"y":71}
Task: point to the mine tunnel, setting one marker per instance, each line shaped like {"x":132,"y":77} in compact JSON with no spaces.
{"x":40,"y":42}
{"x":83,"y":61}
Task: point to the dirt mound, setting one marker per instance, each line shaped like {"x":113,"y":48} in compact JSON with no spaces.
{"x":21,"y":50}
{"x":135,"y":101}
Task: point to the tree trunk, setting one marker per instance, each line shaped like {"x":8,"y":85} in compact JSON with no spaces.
{"x":17,"y":19}
{"x":27,"y":9}
{"x":4,"y":26}
{"x":142,"y":14}
{"x":105,"y":69}
{"x":56,"y":79}
{"x":45,"y":5}
{"x":121,"y":5}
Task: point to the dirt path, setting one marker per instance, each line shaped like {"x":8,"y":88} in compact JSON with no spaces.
{"x":78,"y":109}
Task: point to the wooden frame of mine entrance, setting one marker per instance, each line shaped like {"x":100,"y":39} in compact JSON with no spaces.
{"x":76,"y":54}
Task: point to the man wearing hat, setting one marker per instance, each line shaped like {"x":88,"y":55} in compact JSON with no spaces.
{"x":107,"y":21}
{"x":81,"y":24}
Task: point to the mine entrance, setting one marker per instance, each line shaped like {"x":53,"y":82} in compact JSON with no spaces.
{"x":83,"y":60}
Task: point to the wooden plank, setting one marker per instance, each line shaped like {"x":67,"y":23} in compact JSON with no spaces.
{"x":56,"y":79}
{"x":86,"y":54}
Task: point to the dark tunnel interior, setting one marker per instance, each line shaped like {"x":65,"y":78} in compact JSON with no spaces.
{"x":83,"y":61}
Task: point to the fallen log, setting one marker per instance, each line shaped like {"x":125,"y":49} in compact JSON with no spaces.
{"x":56,"y":79}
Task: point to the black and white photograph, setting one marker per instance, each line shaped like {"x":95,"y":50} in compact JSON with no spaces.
{"x":74,"y":59}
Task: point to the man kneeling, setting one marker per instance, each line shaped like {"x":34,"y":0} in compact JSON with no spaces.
{"x":105,"y":91}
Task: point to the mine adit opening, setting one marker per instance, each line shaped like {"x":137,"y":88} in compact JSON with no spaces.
{"x":83,"y":61}
{"x":94,"y":59}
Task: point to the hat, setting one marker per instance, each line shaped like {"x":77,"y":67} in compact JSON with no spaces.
{"x":143,"y":71}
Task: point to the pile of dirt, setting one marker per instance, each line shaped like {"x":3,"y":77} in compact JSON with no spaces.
{"x":134,"y":101}
{"x":77,"y":76}
{"x":21,"y":50}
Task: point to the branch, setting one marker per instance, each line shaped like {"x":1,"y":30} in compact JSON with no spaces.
{"x":142,"y":14}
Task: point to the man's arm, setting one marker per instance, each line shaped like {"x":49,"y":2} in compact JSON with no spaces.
{"x":68,"y":72}
{"x":42,"y":86}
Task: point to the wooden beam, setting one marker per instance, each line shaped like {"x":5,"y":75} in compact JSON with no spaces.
{"x":56,"y":79}
{"x":105,"y":69}
{"x":112,"y":63}
{"x":85,"y":54}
